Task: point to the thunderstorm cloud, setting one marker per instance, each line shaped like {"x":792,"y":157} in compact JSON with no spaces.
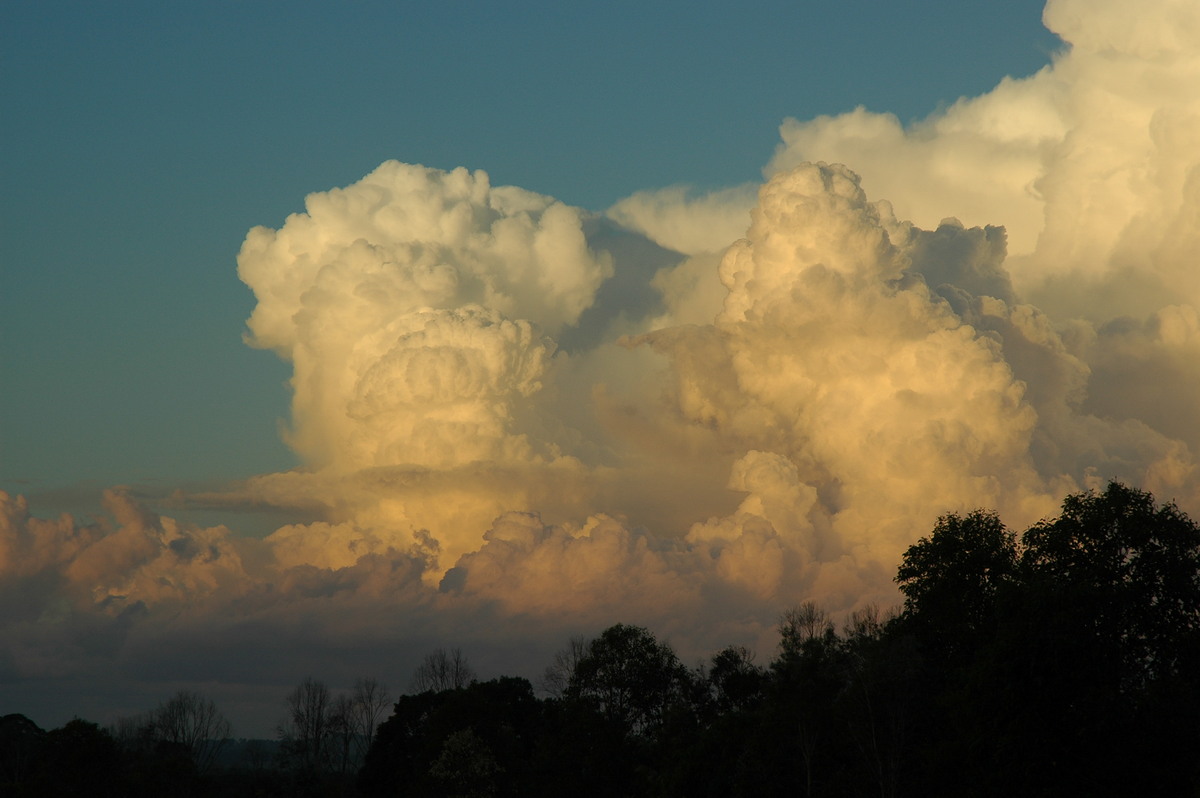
{"x":520,"y":419}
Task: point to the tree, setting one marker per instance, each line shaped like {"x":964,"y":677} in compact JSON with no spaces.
{"x":735,"y":679}
{"x":442,"y":670}
{"x":802,"y":626}
{"x":341,"y":734}
{"x":1134,"y":567}
{"x":736,"y":683}
{"x":876,"y":703}
{"x":369,"y":701}
{"x":171,"y":748}
{"x":1074,"y":652}
{"x":134,"y":732}
{"x":465,"y":767}
{"x":810,"y":674}
{"x":465,"y":741}
{"x":192,"y":721}
{"x":20,"y":742}
{"x":557,"y":675}
{"x":1114,"y":582}
{"x":80,"y":758}
{"x":630,"y":677}
{"x":953,"y":579}
{"x":307,"y":730}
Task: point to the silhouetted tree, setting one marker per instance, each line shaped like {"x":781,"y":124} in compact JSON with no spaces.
{"x":1063,"y":663}
{"x":809,"y":675}
{"x":877,"y":700}
{"x":341,"y":734}
{"x":369,"y":703}
{"x":1114,"y":583}
{"x":21,"y":741}
{"x":192,"y":721}
{"x":465,"y":767}
{"x":953,"y":579}
{"x":1133,"y":568}
{"x":307,"y":731}
{"x":800,"y":626}
{"x":475,"y":740}
{"x":1048,"y":663}
{"x":630,"y":677}
{"x":557,"y":675}
{"x":736,"y":683}
{"x":81,"y":759}
{"x":442,"y":670}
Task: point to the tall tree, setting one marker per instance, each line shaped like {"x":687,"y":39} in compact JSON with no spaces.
{"x":876,"y":703}
{"x":803,"y":626}
{"x":1074,"y":653}
{"x":443,"y":670}
{"x":809,"y":675}
{"x":369,"y":701}
{"x":557,"y":675}
{"x":307,"y":729}
{"x":735,"y":682}
{"x":192,"y":721}
{"x":953,"y":579}
{"x":1114,"y":582}
{"x":630,"y":677}
{"x":1133,"y":567}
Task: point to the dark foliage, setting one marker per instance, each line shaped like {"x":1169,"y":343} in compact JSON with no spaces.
{"x":473,"y":740}
{"x":630,"y":678}
{"x":1065,"y":663}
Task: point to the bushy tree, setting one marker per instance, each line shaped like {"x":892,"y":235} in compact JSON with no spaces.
{"x":630,"y":677}
{"x":1072,"y":651}
{"x":735,"y":682}
{"x":953,"y":579}
{"x":1133,"y":568}
{"x":21,"y":741}
{"x":477,"y":740}
{"x":80,"y":758}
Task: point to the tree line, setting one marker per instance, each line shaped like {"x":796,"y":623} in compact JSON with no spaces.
{"x":1061,"y":661}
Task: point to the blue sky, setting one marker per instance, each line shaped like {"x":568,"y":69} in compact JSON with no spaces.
{"x":143,"y":139}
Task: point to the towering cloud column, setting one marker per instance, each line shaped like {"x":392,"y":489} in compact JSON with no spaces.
{"x":833,"y":354}
{"x":416,"y":307}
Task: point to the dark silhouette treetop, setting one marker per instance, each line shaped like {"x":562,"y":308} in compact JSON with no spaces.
{"x":629,"y":676}
{"x":952,"y":579}
{"x":1133,"y":567}
{"x":1081,"y":640}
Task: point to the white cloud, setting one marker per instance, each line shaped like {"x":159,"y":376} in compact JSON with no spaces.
{"x":688,"y":221}
{"x":1089,"y":163}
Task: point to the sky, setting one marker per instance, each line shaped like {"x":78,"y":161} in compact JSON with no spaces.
{"x":332,"y":333}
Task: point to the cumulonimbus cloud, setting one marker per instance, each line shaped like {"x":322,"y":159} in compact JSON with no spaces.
{"x":777,"y":401}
